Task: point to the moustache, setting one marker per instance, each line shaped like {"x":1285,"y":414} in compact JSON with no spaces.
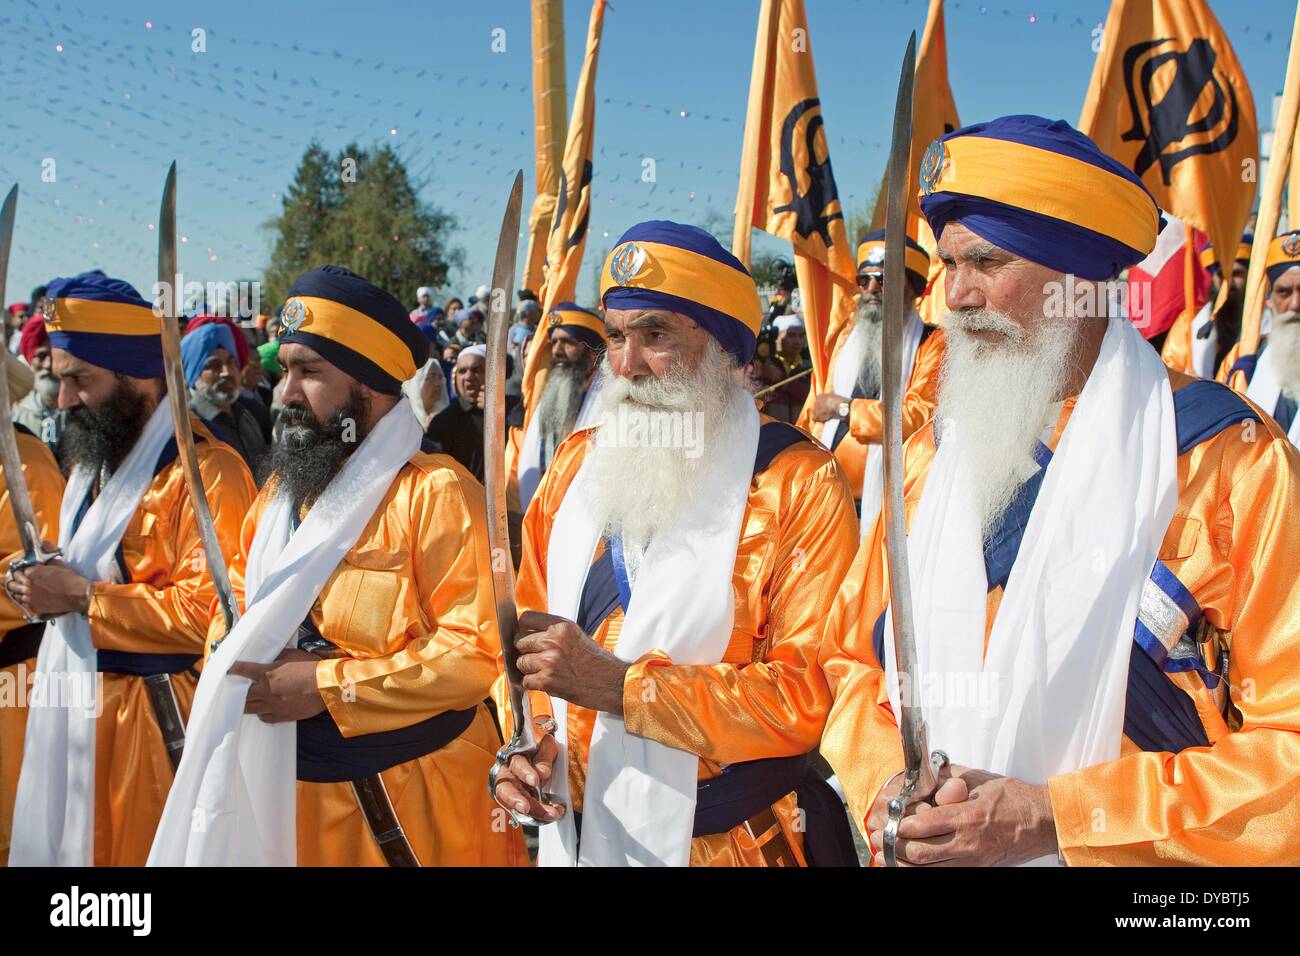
{"x":973,"y":321}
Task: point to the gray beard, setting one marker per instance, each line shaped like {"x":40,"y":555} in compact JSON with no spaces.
{"x":557,"y":411}
{"x":868,"y":324}
{"x":216,"y":394}
{"x":1284,"y":343}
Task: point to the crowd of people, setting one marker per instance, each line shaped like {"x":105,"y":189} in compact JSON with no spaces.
{"x":1102,"y":550}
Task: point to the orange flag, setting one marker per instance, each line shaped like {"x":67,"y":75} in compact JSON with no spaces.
{"x":1169,"y":99}
{"x":568,"y":238}
{"x":786,"y":184}
{"x":549,"y":129}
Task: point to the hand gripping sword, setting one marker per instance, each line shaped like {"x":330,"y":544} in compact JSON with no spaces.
{"x":20,"y":499}
{"x":921,"y":771}
{"x":494,"y":473}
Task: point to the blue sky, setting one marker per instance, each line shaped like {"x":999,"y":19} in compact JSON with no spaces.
{"x":112,"y":100}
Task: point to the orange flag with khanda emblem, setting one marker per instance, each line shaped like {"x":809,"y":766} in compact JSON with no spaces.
{"x":550,"y":123}
{"x":1169,"y":99}
{"x":786,"y":184}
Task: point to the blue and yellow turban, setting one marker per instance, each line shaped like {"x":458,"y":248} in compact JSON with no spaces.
{"x":1283,"y":254}
{"x":1210,"y":258}
{"x":355,"y":326}
{"x":916,"y":264}
{"x":104,"y":322}
{"x":666,"y":265}
{"x":584,"y":325}
{"x":1042,"y":190}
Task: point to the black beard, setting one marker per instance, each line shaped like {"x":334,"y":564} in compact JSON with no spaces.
{"x":305,"y":464}
{"x":1228,"y":322}
{"x":101,"y":437}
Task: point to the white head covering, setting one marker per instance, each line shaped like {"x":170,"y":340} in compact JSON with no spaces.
{"x":784,"y":322}
{"x":424,"y":290}
{"x":479,"y":350}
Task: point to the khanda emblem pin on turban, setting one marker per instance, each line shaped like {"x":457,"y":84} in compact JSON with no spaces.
{"x":294,"y":315}
{"x":932,"y":166}
{"x":1291,"y":245}
{"x":626,"y":263}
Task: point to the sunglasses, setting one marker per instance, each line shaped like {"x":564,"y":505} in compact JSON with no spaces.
{"x":864,"y":279}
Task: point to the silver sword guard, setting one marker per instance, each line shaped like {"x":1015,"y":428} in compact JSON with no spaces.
{"x":21,"y":564}
{"x":905,"y":798}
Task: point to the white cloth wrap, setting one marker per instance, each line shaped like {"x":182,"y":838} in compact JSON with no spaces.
{"x":1048,"y":697}
{"x":1266,"y":388}
{"x":234,"y":800}
{"x":54,"y":811}
{"x":639,"y":798}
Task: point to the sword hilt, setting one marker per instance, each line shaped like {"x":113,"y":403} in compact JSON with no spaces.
{"x":899,"y":804}
{"x":28,"y":560}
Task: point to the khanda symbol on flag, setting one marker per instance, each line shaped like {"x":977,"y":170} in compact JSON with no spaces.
{"x":812,"y":207}
{"x":1176,"y":124}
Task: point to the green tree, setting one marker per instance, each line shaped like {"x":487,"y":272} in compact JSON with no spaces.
{"x":358,"y":209}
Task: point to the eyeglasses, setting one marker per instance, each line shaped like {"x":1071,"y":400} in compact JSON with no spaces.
{"x":864,"y":279}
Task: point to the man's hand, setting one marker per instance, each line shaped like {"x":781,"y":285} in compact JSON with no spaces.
{"x":559,"y":659}
{"x":282,"y":690}
{"x":975,"y":818}
{"x":827,"y":406}
{"x":518,"y":782}
{"x":50,"y":589}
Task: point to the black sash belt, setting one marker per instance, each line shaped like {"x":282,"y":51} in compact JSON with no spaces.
{"x":21,"y":644}
{"x":146,"y":665}
{"x":326,"y":756}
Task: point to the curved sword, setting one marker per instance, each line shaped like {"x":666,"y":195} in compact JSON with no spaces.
{"x":20,"y":499}
{"x":178,"y":394}
{"x":921,"y":768}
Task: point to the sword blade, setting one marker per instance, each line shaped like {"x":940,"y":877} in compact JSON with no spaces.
{"x":910,"y":720}
{"x":178,"y":394}
{"x":494,"y":442}
{"x":20,"y":499}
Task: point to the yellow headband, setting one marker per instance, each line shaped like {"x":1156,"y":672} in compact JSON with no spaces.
{"x":1210,"y":257}
{"x":103,"y":318}
{"x":678,"y":272}
{"x":576,"y":317}
{"x":1028,"y":177}
{"x":1284,"y":249}
{"x":351,"y":329}
{"x":914,"y":259}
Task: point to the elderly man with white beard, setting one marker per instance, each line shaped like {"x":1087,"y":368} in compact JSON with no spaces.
{"x":679,"y":559}
{"x":1102,"y":556}
{"x":853,"y":406}
{"x":577,"y":339}
{"x":1273,"y":372}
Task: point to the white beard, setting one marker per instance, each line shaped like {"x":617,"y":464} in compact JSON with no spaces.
{"x":639,"y":489}
{"x":1284,"y":345}
{"x":561,"y":400}
{"x":998,"y":397}
{"x":869,"y":326}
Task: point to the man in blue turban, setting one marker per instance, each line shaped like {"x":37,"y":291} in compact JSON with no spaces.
{"x":1085,"y":528}
{"x":210,"y":359}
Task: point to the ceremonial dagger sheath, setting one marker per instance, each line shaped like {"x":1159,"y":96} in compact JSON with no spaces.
{"x":921,"y":768}
{"x":495,"y":478}
{"x":20,"y":499}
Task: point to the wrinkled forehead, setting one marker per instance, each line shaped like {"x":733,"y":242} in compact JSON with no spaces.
{"x":630,"y":320}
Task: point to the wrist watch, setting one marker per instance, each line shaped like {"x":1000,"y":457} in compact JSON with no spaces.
{"x":843,"y":410}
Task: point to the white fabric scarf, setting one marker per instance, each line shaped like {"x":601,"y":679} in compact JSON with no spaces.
{"x":1204,"y":349}
{"x":54,"y":813}
{"x":1048,"y":698}
{"x":639,"y":799}
{"x":1265,"y":388}
{"x":234,"y":800}
{"x":843,"y":379}
{"x":530,"y":452}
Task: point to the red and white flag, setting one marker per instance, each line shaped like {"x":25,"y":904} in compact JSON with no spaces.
{"x":1158,"y":286}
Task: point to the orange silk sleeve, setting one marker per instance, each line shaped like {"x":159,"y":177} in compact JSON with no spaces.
{"x":45,"y":486}
{"x":861,"y":741}
{"x":164,"y":609}
{"x":452,"y":662}
{"x":1229,"y":360}
{"x":236,"y":569}
{"x":776,"y":704}
{"x":1177,"y":350}
{"x":1237,"y":801}
{"x":918,"y":404}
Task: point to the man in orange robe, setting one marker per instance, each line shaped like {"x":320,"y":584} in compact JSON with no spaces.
{"x":1112,"y":678}
{"x":19,"y":638}
{"x":851,"y":409}
{"x":145,"y":602}
{"x":673,"y":583}
{"x":389,"y":665}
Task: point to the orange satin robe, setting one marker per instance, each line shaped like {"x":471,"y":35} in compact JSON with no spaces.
{"x":45,"y":485}
{"x":1177,"y":350}
{"x":163,"y":609}
{"x":864,"y":413}
{"x":1232,"y":543}
{"x":766,"y":698}
{"x":411,"y":611}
